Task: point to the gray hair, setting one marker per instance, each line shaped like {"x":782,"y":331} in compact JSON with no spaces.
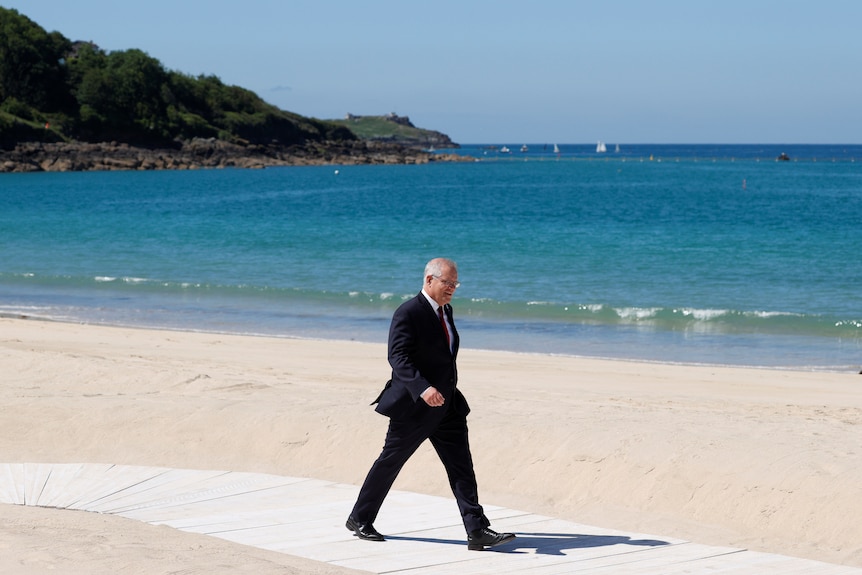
{"x":435,"y":267}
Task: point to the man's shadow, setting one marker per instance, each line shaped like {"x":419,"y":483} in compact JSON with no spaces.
{"x":548,"y":543}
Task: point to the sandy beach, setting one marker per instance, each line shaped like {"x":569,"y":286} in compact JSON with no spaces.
{"x":763,"y":459}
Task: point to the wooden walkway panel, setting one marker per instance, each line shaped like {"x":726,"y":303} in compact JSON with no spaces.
{"x":305,"y":517}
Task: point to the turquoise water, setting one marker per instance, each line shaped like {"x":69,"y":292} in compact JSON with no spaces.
{"x":702,"y":254}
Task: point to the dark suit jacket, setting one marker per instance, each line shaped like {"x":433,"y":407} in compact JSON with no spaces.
{"x":420,"y":357}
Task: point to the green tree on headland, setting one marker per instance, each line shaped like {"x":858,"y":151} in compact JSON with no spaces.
{"x":31,"y":63}
{"x":54,"y":89}
{"x":120,"y":93}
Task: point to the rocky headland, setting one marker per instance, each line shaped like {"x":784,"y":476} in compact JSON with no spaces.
{"x":205,"y":153}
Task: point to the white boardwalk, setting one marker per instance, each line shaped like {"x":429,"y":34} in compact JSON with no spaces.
{"x":305,"y":517}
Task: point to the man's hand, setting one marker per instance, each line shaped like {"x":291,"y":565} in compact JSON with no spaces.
{"x":433,"y":397}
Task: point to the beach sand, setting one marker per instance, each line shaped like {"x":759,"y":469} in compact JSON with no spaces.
{"x":768,"y":460}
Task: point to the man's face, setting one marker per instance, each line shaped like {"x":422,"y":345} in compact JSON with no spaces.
{"x":441,"y":288}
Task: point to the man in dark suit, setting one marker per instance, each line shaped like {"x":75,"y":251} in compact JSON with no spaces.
{"x":423,"y":402}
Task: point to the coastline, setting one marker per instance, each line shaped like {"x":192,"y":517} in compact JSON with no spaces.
{"x":201,"y":153}
{"x":661,"y":348}
{"x":143,"y":238}
{"x":765,"y":459}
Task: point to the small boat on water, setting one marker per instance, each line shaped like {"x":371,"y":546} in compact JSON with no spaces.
{"x":601,"y":148}
{"x":556,"y":149}
{"x":782,"y":157}
{"x":524,"y":148}
{"x":505,"y":150}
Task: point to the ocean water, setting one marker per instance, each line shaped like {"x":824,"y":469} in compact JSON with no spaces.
{"x":690,"y":254}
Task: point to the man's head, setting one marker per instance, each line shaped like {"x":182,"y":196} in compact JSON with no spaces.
{"x":441,"y":279}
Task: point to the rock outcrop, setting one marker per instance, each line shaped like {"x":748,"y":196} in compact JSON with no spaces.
{"x":204,"y":153}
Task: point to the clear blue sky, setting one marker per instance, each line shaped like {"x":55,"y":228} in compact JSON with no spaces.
{"x":503,"y":71}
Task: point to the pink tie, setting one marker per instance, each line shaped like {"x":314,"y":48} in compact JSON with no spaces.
{"x":443,"y":323}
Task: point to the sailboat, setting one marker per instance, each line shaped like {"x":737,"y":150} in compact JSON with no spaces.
{"x":617,"y":150}
{"x":600,"y":147}
{"x":556,"y":149}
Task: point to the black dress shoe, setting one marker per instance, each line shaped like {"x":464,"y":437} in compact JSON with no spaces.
{"x":367,"y":531}
{"x":479,"y":539}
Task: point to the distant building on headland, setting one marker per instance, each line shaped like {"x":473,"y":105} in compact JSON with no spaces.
{"x":391,"y":116}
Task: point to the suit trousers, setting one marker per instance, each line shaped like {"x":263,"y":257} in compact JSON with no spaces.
{"x":447,"y":431}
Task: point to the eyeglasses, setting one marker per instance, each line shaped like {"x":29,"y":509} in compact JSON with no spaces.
{"x":447,"y":283}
